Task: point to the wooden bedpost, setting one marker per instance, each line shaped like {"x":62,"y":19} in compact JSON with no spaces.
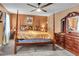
{"x":16,"y":32}
{"x":54,"y":41}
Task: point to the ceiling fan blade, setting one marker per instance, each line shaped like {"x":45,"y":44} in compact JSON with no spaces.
{"x":43,"y":10}
{"x":33,"y":10}
{"x":31,"y":5}
{"x":46,"y":5}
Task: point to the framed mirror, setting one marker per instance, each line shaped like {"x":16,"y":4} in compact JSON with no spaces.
{"x":73,"y":24}
{"x":70,"y":23}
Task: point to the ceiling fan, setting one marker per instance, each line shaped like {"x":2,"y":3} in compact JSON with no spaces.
{"x":39,"y":8}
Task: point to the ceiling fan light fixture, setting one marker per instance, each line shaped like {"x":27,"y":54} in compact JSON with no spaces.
{"x":38,"y":10}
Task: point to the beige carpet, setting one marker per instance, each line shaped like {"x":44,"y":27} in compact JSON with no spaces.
{"x":34,"y":50}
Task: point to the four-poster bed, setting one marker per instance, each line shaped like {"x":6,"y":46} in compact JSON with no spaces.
{"x":30,"y":37}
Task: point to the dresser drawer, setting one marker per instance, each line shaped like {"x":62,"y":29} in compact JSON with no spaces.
{"x":68,"y":46}
{"x":76,"y":50}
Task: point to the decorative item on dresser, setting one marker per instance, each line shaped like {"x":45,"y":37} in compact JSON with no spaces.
{"x":70,"y":28}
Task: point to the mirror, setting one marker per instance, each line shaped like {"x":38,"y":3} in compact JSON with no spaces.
{"x":73,"y":24}
{"x":70,"y":23}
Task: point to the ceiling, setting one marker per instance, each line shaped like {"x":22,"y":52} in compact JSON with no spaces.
{"x":25,"y":9}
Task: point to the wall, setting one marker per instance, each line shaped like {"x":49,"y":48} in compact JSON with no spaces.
{"x":40,"y":21}
{"x":50,"y":23}
{"x":1,"y":24}
{"x":13,"y":18}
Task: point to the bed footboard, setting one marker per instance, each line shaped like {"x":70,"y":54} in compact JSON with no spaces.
{"x":30,"y":42}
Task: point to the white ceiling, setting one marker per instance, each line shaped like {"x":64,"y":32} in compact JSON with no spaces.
{"x":25,"y":9}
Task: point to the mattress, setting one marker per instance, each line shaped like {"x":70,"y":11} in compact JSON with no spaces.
{"x":34,"y":41}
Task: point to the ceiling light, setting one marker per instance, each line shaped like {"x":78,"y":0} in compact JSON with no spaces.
{"x":38,"y":10}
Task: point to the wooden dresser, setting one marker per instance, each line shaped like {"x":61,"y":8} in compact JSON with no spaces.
{"x":60,"y":39}
{"x":69,"y":26}
{"x":72,"y":42}
{"x":69,"y":41}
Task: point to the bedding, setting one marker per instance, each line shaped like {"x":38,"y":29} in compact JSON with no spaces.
{"x":33,"y":35}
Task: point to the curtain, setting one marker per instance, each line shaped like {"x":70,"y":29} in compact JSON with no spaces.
{"x":6,"y":30}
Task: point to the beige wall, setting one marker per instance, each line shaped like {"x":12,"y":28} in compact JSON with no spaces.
{"x":50,"y":23}
{"x":1,"y":24}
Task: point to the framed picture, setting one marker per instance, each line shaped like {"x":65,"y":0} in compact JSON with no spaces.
{"x":27,"y":25}
{"x":29,"y":20}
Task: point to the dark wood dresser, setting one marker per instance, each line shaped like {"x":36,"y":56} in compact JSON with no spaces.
{"x":60,"y":39}
{"x":72,"y":42}
{"x":69,"y":41}
{"x":69,"y":26}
